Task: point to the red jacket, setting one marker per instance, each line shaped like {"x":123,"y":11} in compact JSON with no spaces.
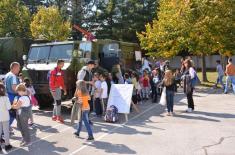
{"x":56,"y":79}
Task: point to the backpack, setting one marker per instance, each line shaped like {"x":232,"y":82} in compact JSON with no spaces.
{"x":111,"y":115}
{"x":195,"y":81}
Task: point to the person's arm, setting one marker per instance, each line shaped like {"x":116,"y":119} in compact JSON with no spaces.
{"x":63,"y":86}
{"x":81,"y":74}
{"x":192,"y":72}
{"x":8,"y":104}
{"x":33,"y":90}
{"x":52,"y":81}
{"x":226,"y":71}
{"x":101,"y":90}
{"x":17,"y":105}
{"x":14,"y":84}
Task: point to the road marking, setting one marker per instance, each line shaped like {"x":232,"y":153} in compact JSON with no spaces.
{"x":39,"y":140}
{"x":48,"y":136}
{"x":111,"y":131}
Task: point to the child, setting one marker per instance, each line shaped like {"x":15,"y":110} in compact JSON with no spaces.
{"x":98,"y":107}
{"x":169,"y":83}
{"x":127,"y":79}
{"x":145,"y":85}
{"x":177,"y":76}
{"x":104,"y":92}
{"x":22,"y":104}
{"x":154,"y":82}
{"x":5,"y":106}
{"x":83,"y":96}
{"x":220,"y":72}
{"x":31,"y":92}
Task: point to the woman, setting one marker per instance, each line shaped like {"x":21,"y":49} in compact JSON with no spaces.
{"x":169,"y":83}
{"x":189,"y":75}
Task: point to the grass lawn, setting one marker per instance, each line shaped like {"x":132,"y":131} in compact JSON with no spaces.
{"x":211,"y":76}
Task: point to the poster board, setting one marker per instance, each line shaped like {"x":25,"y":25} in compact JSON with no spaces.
{"x":138,"y":56}
{"x":120,"y":96}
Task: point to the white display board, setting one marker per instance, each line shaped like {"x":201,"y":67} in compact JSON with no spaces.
{"x":120,"y":96}
{"x":138,"y":56}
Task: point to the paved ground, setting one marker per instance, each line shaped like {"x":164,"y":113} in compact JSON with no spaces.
{"x":210,"y":130}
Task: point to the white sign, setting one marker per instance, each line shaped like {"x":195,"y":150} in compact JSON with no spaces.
{"x":120,"y":96}
{"x":138,"y":56}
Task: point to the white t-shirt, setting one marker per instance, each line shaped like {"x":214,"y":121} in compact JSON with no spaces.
{"x":104,"y":87}
{"x":31,"y":90}
{"x":98,"y":87}
{"x":5,"y":106}
{"x":25,"y":100}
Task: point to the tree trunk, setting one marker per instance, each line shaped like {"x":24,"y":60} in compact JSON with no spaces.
{"x":204,"y":77}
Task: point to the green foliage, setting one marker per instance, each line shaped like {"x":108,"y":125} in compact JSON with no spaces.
{"x":200,"y":26}
{"x":14,"y":19}
{"x":121,"y":19}
{"x":48,"y":24}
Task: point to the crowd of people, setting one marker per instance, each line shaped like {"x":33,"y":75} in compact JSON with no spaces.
{"x":92,"y":91}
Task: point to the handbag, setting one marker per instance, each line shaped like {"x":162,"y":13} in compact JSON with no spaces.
{"x":163,"y":97}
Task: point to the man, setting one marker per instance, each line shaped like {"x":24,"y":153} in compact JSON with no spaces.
{"x":220,"y":72}
{"x":11,"y":81}
{"x":56,"y":82}
{"x":230,"y":72}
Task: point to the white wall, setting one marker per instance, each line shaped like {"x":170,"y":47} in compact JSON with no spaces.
{"x":210,"y":61}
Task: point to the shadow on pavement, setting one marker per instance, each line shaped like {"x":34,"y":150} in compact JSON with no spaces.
{"x":218,"y":115}
{"x":46,"y":148}
{"x":112,"y":148}
{"x":197,"y":118}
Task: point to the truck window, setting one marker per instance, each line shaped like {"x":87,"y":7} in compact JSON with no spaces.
{"x":110,"y":50}
{"x":39,"y":53}
{"x":61,"y":52}
{"x":85,"y":48}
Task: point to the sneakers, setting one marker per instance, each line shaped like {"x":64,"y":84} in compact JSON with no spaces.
{"x":60,"y":120}
{"x":23,"y":143}
{"x":8,"y":147}
{"x":90,"y":138}
{"x":189,"y":110}
{"x":32,"y":125}
{"x":76,"y":134}
{"x":54,"y":118}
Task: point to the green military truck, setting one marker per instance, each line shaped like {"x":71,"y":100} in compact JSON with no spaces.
{"x":42,"y":58}
{"x":12,"y":49}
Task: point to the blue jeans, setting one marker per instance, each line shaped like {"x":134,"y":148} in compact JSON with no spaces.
{"x":170,"y":100}
{"x":220,"y":80}
{"x":86,"y":122}
{"x":228,"y":80}
{"x":11,"y":98}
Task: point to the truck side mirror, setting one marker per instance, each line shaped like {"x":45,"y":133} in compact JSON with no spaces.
{"x":77,"y":54}
{"x":24,"y":57}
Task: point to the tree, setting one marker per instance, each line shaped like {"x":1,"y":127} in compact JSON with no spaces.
{"x":48,"y":24}
{"x":14,"y":21}
{"x":120,"y":19}
{"x":201,"y":27}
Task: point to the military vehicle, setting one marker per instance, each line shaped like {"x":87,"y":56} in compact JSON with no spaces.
{"x":12,"y":49}
{"x":42,"y":58}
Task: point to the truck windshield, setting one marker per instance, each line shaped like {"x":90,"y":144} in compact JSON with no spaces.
{"x":39,"y":53}
{"x":42,"y":54}
{"x":61,"y":52}
{"x":85,"y":48}
{"x":110,"y":50}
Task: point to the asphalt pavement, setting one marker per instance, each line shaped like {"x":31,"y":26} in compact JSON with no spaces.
{"x":210,"y":130}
